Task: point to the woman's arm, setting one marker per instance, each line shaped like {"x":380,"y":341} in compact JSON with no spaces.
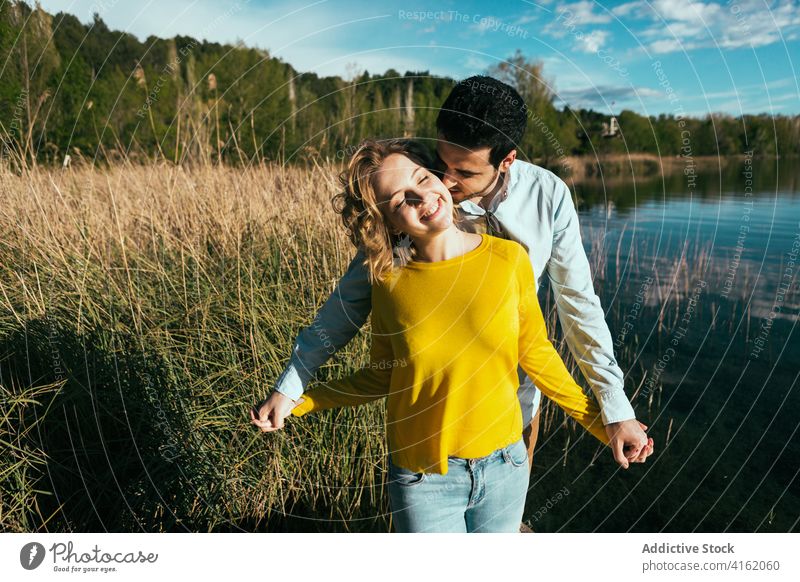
{"x":541,"y":361}
{"x":368,"y":384}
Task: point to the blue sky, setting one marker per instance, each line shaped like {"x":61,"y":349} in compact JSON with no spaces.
{"x":651,"y":56}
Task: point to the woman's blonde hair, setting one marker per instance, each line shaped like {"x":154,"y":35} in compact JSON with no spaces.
{"x":366,"y":226}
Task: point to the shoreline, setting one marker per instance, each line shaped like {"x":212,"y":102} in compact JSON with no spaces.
{"x":629,"y":166}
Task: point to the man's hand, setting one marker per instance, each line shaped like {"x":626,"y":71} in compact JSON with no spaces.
{"x":269,"y":414}
{"x":628,"y":442}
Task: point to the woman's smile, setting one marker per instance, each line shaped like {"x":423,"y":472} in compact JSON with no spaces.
{"x":433,"y":212}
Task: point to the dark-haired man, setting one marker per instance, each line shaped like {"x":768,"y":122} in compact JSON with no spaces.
{"x":479,"y":126}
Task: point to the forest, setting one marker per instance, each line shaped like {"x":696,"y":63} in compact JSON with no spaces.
{"x":94,"y":94}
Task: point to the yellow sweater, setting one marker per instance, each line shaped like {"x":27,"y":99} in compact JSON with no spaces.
{"x":446,"y":340}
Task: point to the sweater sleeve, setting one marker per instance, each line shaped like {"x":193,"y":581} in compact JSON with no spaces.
{"x":368,"y":384}
{"x":541,"y":361}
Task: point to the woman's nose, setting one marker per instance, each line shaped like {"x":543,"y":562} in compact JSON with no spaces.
{"x":420,"y":196}
{"x":415,"y":198}
{"x":427,"y":197}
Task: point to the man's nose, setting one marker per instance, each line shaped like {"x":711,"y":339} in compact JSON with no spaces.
{"x":448,"y":180}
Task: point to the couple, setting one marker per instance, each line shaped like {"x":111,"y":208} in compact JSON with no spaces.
{"x":459,"y":343}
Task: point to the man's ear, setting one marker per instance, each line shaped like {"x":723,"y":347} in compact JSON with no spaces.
{"x":506,"y":162}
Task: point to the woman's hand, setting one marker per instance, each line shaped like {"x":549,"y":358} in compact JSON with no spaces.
{"x":629,"y":442}
{"x":269,"y":414}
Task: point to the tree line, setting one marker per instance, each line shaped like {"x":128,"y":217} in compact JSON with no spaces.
{"x":85,"y":91}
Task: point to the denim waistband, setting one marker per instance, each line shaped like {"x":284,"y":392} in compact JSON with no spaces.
{"x":491,"y":456}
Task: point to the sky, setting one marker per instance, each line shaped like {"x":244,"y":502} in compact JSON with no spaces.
{"x":650,"y":56}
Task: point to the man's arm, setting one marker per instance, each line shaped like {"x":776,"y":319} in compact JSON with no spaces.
{"x":587,"y":333}
{"x":581,"y":314}
{"x":336,"y":323}
{"x":370,"y":383}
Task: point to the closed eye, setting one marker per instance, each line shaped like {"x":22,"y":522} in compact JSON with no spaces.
{"x":400,"y":204}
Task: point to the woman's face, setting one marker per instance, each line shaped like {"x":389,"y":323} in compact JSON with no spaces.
{"x":412,"y":199}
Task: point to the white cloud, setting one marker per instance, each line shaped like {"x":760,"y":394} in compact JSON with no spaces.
{"x":628,"y":8}
{"x":677,"y":25}
{"x":667,"y":45}
{"x":603,"y":96}
{"x":742,"y":98}
{"x":323,"y":61}
{"x":685,"y":10}
{"x":572,"y":74}
{"x":526,"y":19}
{"x":582,"y":13}
{"x":594,"y":41}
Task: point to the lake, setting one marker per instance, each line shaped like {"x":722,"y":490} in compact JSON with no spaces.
{"x":698,"y":275}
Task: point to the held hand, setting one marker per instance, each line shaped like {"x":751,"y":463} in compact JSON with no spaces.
{"x":628,"y":442}
{"x":269,"y":414}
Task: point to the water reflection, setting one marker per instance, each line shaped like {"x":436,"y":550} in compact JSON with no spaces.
{"x":702,"y":296}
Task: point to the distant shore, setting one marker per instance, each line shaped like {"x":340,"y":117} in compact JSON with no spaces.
{"x":628,"y":166}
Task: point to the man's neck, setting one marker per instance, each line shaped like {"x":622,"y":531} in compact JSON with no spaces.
{"x":485,"y":201}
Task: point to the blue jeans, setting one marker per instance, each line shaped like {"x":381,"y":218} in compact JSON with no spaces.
{"x":476,"y":495}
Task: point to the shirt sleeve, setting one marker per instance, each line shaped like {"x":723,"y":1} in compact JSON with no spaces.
{"x":580,"y":312}
{"x":368,"y":384}
{"x":337,"y":322}
{"x":541,"y":361}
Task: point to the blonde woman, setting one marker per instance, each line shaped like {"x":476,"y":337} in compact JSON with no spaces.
{"x":450,"y":322}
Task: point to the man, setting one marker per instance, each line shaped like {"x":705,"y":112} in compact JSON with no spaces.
{"x":479,"y":127}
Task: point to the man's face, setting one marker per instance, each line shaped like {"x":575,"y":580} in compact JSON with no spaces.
{"x":466,"y":173}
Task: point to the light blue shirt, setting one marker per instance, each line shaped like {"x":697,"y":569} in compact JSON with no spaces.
{"x":536,"y":210}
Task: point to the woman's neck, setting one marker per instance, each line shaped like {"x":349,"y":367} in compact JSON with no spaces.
{"x":445,"y":245}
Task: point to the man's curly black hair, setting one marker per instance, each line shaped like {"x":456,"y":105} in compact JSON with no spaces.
{"x":482,"y":111}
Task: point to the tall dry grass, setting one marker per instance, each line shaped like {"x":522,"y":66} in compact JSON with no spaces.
{"x":143,"y":311}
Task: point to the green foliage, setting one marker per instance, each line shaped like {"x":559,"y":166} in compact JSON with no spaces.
{"x":85,"y":90}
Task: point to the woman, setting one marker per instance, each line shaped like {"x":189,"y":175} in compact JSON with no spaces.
{"x":452,"y":315}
